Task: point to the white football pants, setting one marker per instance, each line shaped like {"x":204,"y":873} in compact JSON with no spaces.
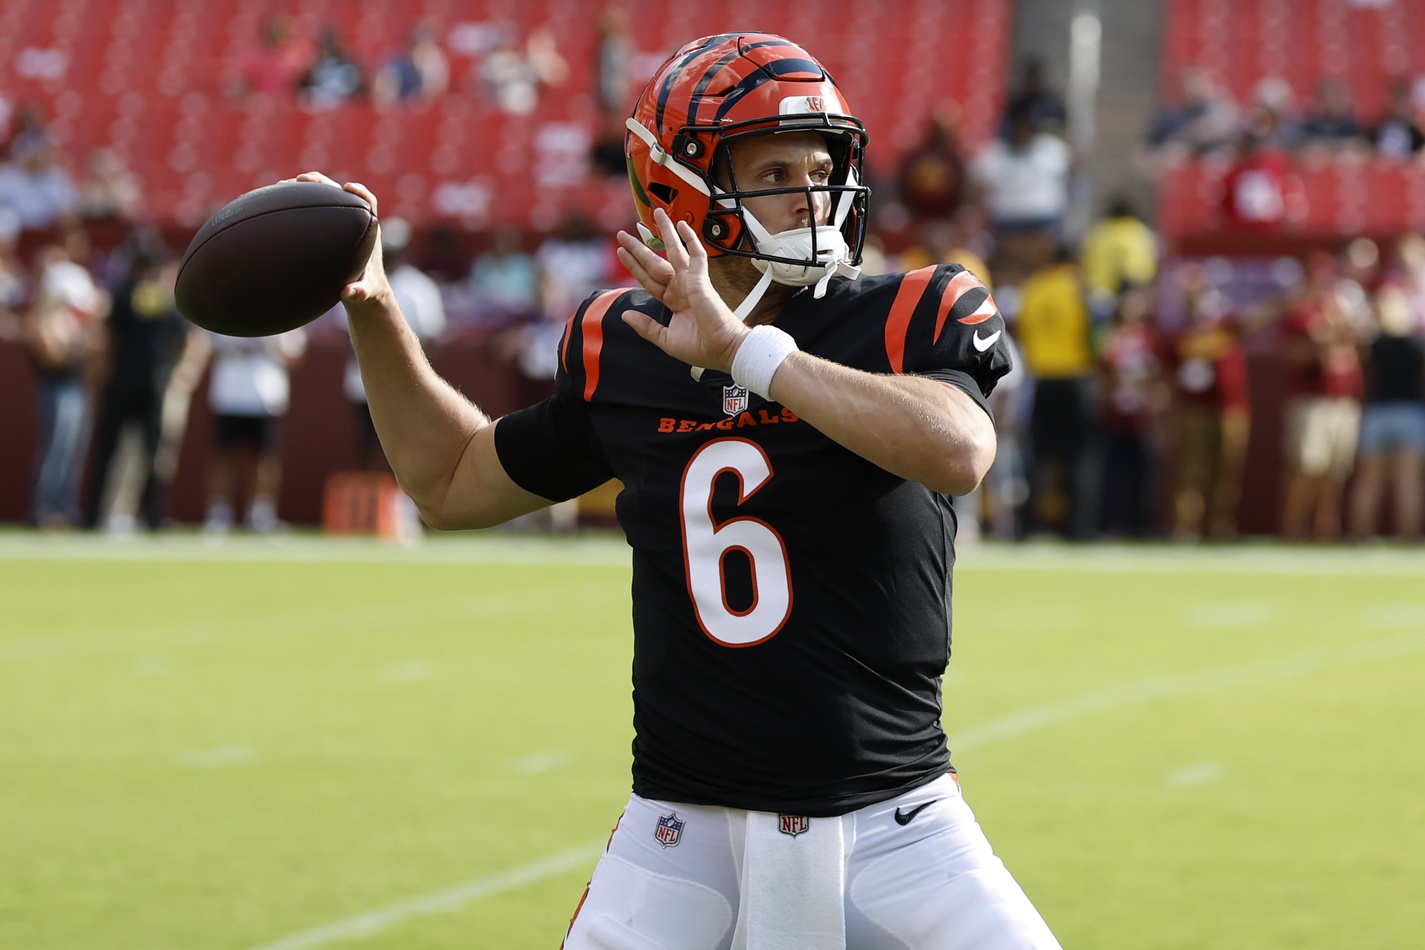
{"x":918,"y":875}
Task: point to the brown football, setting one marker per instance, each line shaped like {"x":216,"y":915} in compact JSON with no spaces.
{"x":275,"y":258}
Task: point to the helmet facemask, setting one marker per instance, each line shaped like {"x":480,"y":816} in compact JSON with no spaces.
{"x":716,"y":91}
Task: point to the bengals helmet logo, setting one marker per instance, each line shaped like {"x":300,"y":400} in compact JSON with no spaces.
{"x":816,"y":104}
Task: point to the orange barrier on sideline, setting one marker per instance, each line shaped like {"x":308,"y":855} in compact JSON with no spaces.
{"x":366,"y":503}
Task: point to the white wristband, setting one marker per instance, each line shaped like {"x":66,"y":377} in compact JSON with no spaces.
{"x":758,"y":356}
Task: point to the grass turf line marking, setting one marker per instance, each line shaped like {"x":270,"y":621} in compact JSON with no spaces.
{"x":610,"y":550}
{"x":1010,"y":727}
{"x":297,"y":623}
{"x":451,"y":898}
{"x":1186,"y":684}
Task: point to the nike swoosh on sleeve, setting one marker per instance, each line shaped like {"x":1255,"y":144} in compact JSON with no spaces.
{"x":985,"y":343}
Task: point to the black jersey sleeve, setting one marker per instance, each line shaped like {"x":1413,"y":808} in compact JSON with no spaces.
{"x":954,"y":331}
{"x":549,"y":449}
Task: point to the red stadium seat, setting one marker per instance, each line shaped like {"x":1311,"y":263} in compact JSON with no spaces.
{"x":131,"y":65}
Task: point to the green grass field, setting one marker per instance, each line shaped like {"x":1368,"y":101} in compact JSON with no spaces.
{"x":314,"y":744}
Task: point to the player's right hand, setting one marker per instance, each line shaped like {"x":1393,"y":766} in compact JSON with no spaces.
{"x":371,"y":287}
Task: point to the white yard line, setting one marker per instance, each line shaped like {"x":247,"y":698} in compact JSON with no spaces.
{"x":451,"y":898}
{"x":1010,"y":727}
{"x":469,"y":548}
{"x":610,"y":550}
{"x":1185,"y":684}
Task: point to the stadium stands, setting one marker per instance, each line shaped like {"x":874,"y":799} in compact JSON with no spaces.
{"x":1367,"y":43}
{"x":152,"y":79}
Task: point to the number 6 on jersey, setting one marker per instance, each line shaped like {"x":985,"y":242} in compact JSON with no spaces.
{"x":706,"y":545}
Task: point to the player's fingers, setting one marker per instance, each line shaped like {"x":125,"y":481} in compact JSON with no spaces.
{"x":650,"y":262}
{"x":314,"y":176}
{"x":644,"y":272}
{"x":364,"y":193}
{"x":646,"y":327}
{"x":672,"y":241}
{"x":696,"y":252}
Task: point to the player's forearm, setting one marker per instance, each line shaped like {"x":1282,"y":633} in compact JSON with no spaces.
{"x":917,"y":428}
{"x":425,"y":426}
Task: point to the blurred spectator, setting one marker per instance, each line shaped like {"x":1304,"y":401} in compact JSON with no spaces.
{"x":35,"y":186}
{"x":606,"y":155}
{"x":1119,"y":250}
{"x":1261,"y":191}
{"x":59,"y":328}
{"x":960,"y":239}
{"x":1330,"y":120}
{"x":573,"y":262}
{"x":146,"y":339}
{"x":504,"y":280}
{"x":1408,"y":268}
{"x":1271,"y":115}
{"x":333,"y":77}
{"x":614,"y":55}
{"x":12,"y":272}
{"x":514,"y":77}
{"x":275,"y":66}
{"x":109,"y":190}
{"x":249,"y":391}
{"x":26,"y":132}
{"x":1320,"y":347}
{"x":419,"y":73}
{"x":1133,"y":399}
{"x":1031,"y":96}
{"x":1025,"y":181}
{"x":1391,"y":459}
{"x":7,"y":112}
{"x":1399,"y":134}
{"x":1212,"y":412}
{"x":1005,"y":489}
{"x":1201,"y":121}
{"x":932,"y":175}
{"x":421,"y":305}
{"x":1054,"y":328}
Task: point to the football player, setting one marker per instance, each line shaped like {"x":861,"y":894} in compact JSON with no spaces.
{"x":788,"y":437}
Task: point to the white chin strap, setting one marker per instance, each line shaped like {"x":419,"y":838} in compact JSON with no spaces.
{"x":831,"y":258}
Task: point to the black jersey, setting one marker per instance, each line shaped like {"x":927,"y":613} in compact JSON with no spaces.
{"x":791,"y":600}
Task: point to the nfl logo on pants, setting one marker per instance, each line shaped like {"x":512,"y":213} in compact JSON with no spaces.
{"x":793,"y":824}
{"x":670,"y":830}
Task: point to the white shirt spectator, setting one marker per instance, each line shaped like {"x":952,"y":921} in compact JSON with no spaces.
{"x":572,"y":267}
{"x":250,"y":375}
{"x":72,"y":285}
{"x":39,"y":192}
{"x":1025,"y":185}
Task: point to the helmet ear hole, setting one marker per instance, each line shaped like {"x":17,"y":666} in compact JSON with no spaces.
{"x":663,"y":192}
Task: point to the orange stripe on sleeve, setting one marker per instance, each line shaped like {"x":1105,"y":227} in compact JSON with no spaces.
{"x":961,"y":284}
{"x":593,"y":323}
{"x":564,"y":347}
{"x":912,"y":288}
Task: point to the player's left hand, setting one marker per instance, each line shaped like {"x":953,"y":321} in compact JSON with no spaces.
{"x":702,"y":330}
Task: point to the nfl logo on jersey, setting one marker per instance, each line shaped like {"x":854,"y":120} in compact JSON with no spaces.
{"x":793,"y":824}
{"x":734,"y":399}
{"x":670,"y":830}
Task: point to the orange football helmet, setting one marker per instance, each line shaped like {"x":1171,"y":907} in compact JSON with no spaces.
{"x":715,"y":90}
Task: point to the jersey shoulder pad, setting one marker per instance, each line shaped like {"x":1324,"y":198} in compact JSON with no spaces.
{"x":931,"y":316}
{"x":597,"y":321}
